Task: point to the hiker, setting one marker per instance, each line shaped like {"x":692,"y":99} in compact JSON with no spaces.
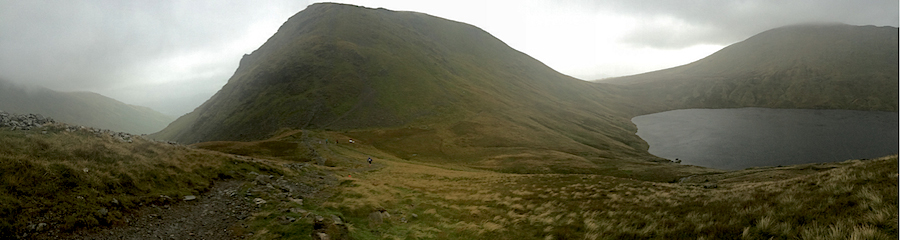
{"x":370,"y":161}
{"x":351,"y":140}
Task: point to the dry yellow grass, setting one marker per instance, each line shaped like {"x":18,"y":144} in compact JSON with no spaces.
{"x":838,"y":200}
{"x":53,"y":176}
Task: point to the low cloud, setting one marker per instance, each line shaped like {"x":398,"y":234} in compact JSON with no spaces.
{"x":171,"y":56}
{"x":677,"y":24}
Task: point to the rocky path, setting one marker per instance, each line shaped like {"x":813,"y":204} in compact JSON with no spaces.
{"x":213,"y":215}
{"x":220,"y":213}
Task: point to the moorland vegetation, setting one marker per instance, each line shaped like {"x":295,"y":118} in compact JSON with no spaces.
{"x":471,"y":140}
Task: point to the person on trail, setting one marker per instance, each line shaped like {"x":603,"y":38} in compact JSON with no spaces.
{"x":370,"y":161}
{"x":351,"y":140}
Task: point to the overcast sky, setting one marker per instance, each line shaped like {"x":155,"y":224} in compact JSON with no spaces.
{"x":173,"y":55}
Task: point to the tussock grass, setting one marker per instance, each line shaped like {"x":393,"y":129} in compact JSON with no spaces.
{"x":849,"y":200}
{"x":64,"y":179}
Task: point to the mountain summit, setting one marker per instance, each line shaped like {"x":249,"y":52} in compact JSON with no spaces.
{"x":449,"y":88}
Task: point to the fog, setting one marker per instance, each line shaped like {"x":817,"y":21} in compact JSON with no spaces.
{"x":173,"y":55}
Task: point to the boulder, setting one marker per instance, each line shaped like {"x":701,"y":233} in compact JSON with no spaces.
{"x":375,"y":218}
{"x":330,"y":228}
{"x":40,"y":227}
{"x":102,"y":211}
{"x":262,"y":179}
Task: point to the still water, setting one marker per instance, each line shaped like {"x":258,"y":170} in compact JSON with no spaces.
{"x":753,"y":137}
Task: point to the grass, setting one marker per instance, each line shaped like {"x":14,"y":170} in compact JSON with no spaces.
{"x":64,"y":179}
{"x":428,"y":199}
{"x":855,"y":199}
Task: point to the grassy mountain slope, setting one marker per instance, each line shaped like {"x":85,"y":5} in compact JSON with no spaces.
{"x":846,"y":200}
{"x":81,"y":108}
{"x":415,"y":84}
{"x":832,"y":66}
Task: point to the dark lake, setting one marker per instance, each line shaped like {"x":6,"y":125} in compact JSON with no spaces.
{"x":734,"y":139}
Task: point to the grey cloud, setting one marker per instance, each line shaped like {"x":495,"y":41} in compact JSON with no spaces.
{"x":726,"y":22}
{"x":111,"y":45}
{"x":81,"y":44}
{"x":93,"y":45}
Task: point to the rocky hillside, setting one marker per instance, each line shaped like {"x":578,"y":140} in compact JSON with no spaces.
{"x":833,"y":66}
{"x":81,"y":108}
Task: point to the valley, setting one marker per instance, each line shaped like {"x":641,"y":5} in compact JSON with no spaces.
{"x":470,"y":139}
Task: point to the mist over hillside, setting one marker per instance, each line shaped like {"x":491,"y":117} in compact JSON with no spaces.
{"x":818,"y":66}
{"x":81,"y":108}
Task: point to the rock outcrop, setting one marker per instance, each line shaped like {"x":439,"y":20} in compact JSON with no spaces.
{"x":27,"y":122}
{"x":23,"y":121}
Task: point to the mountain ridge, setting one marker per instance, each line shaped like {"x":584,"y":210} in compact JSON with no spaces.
{"x":818,"y":66}
{"x":426,"y":88}
{"x":81,"y":108}
{"x":458,"y":91}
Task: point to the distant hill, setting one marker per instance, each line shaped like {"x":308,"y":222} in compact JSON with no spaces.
{"x":81,"y":108}
{"x":413,"y":84}
{"x":832,"y":66}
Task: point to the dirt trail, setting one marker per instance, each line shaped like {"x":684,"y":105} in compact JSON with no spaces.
{"x":213,"y":215}
{"x":222,"y":212}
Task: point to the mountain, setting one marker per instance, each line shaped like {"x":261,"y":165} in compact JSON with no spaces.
{"x":81,"y":108}
{"x":415,"y":85}
{"x":426,"y":88}
{"x":832,"y":66}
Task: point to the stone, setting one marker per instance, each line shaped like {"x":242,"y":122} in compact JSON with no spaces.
{"x":259,"y":201}
{"x":41,"y":227}
{"x":262,"y":179}
{"x":321,"y":236}
{"x":337,"y":220}
{"x":285,"y":220}
{"x":114,"y":201}
{"x":102,"y":211}
{"x":298,"y":210}
{"x":414,"y":215}
{"x":375,"y":218}
{"x":190,"y":198}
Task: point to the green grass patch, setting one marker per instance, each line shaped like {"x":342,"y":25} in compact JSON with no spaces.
{"x":76,"y":179}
